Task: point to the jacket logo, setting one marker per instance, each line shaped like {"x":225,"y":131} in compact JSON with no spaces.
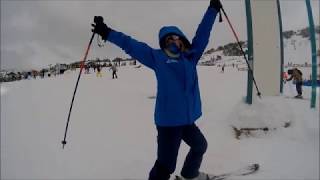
{"x":171,"y":61}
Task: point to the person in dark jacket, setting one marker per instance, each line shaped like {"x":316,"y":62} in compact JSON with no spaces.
{"x":222,"y":69}
{"x":178,"y":103}
{"x":114,"y":71}
{"x":296,"y":75}
{"x":99,"y":70}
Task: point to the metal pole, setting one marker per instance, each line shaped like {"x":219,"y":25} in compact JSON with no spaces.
{"x":314,"y":55}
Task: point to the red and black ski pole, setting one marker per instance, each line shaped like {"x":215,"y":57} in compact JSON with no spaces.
{"x":64,"y":142}
{"x":242,"y":51}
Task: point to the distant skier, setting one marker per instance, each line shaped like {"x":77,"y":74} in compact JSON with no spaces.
{"x":114,"y":71}
{"x":42,"y":73}
{"x":94,"y":67}
{"x":99,"y":71}
{"x":178,"y":103}
{"x":28,"y":75}
{"x":296,"y":75}
{"x":222,"y":69}
{"x":87,"y":69}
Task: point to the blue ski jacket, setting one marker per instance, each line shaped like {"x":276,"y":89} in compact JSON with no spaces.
{"x":178,"y":97}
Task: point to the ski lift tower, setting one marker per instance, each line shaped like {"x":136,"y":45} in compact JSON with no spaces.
{"x":265,"y":48}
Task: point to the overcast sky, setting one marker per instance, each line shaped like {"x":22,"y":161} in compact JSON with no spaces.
{"x":37,"y":33}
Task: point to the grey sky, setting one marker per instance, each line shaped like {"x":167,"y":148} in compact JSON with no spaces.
{"x":35,"y":33}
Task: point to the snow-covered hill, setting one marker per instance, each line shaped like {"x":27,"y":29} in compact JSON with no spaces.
{"x":297,"y":53}
{"x":112,"y":135}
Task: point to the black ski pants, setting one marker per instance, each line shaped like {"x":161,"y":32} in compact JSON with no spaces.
{"x":114,"y":75}
{"x":169,"y":140}
{"x":299,"y":87}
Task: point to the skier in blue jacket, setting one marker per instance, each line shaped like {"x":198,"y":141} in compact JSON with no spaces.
{"x":178,"y":103}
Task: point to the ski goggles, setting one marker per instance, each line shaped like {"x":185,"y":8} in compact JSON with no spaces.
{"x":172,"y":37}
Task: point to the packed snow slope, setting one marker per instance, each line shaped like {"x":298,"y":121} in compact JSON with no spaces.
{"x":112,"y":134}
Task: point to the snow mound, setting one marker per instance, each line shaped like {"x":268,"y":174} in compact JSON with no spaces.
{"x":270,"y":112}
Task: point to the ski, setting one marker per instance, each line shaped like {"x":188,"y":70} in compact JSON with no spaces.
{"x":250,"y":169}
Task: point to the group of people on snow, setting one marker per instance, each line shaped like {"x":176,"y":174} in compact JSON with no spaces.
{"x":98,"y":70}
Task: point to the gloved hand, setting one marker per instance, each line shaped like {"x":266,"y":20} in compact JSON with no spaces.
{"x":100,"y":27}
{"x":216,"y":4}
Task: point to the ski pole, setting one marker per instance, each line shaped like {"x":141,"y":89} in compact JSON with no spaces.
{"x":64,"y":142}
{"x":243,"y":53}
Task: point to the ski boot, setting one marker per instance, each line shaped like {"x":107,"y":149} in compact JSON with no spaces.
{"x":201,"y":176}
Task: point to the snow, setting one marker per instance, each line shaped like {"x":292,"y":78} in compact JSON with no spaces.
{"x":112,"y":134}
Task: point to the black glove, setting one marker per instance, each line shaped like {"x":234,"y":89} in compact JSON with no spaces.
{"x":100,"y":27}
{"x":216,"y":4}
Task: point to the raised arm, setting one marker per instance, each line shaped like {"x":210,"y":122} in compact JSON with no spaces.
{"x":138,"y":50}
{"x":291,"y":77}
{"x":201,"y":38}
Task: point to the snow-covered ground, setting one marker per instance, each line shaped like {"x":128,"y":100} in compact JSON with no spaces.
{"x":112,"y":134}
